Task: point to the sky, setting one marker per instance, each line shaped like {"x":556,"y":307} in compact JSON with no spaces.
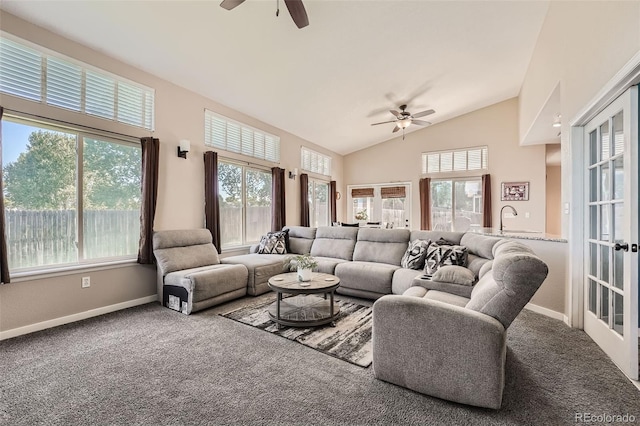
{"x":14,"y":140}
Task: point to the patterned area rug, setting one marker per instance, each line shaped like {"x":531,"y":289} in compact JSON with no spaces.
{"x":349,"y":340}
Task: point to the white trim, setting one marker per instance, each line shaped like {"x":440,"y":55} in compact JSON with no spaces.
{"x":547,"y":312}
{"x":76,"y":317}
{"x":42,"y":274}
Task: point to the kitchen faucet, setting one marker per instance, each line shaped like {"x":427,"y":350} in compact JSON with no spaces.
{"x":515,"y":213}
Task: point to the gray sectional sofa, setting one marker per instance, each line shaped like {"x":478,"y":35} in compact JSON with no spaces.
{"x":444,"y":338}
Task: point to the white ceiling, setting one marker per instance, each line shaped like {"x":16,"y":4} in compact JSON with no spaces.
{"x":325,"y":83}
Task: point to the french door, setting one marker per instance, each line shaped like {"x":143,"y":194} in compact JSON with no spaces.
{"x":611,"y":228}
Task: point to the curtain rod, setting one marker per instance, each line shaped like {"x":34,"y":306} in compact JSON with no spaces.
{"x":78,"y":126}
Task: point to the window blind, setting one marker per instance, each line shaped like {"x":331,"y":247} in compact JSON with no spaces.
{"x":361,"y":192}
{"x":315,"y":162}
{"x":455,"y":160}
{"x":44,"y":76}
{"x":229,"y":135}
{"x":393,"y":192}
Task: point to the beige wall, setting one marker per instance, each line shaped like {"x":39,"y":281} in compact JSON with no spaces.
{"x":554,"y":200}
{"x":179,"y":115}
{"x":495,"y":126}
{"x":581,"y":45}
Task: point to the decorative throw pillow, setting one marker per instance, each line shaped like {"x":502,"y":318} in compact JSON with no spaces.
{"x":442,"y":242}
{"x":439,"y":255}
{"x":414,"y":256}
{"x":454,"y":274}
{"x":273,"y":243}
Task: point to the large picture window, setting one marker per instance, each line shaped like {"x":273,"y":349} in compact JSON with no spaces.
{"x":318,"y":203}
{"x":51,"y":220}
{"x":456,"y":204}
{"x":385,"y":205}
{"x":245,"y":203}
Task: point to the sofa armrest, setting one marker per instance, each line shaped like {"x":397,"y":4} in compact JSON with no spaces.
{"x":438,"y":349}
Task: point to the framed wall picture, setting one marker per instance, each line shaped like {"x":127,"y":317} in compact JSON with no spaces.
{"x":515,"y":191}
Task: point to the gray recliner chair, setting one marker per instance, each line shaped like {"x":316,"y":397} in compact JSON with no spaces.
{"x":190,"y":276}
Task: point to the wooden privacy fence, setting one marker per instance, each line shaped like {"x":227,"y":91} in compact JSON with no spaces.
{"x":48,"y":237}
{"x":258,"y":224}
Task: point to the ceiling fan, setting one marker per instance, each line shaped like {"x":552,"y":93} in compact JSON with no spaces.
{"x":404,"y":119}
{"x":296,"y":10}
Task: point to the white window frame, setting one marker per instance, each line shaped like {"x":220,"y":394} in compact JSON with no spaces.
{"x":122,"y":111}
{"x":230,"y":135}
{"x":453,"y":181}
{"x":244,"y":167}
{"x":81,"y":133}
{"x":313,"y":205}
{"x":376,"y":202}
{"x":464,"y":153}
{"x":315,"y":162}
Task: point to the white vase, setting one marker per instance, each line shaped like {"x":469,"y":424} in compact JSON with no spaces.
{"x":304,"y":274}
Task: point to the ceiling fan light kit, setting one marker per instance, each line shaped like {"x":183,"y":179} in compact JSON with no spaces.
{"x":404,"y":119}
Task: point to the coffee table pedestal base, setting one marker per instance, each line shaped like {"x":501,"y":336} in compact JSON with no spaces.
{"x":304,"y":310}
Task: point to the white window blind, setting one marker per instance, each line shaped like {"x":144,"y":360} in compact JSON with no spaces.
{"x":20,"y":70}
{"x":223,"y":133}
{"x":41,"y":75}
{"x":315,"y":162}
{"x":455,"y":160}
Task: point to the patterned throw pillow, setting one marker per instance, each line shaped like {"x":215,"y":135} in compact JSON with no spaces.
{"x":414,"y":256}
{"x":438,"y":255}
{"x":273,"y":243}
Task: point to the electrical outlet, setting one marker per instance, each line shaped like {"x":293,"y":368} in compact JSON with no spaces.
{"x":526,"y":215}
{"x":86,"y":282}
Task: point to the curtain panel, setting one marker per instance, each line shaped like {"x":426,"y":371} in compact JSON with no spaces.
{"x":425,"y":203}
{"x":304,"y":200}
{"x":486,"y":201}
{"x":278,"y":207}
{"x":212,"y":197}
{"x":333,"y":194}
{"x":4,"y":263}
{"x":150,"y":164}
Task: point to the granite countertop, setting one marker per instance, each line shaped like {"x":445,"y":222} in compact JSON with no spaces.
{"x":519,"y":234}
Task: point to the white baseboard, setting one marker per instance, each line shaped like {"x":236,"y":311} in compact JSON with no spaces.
{"x":547,"y":312}
{"x":75,"y":317}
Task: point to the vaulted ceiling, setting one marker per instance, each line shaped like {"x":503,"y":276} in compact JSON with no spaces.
{"x":325,"y":83}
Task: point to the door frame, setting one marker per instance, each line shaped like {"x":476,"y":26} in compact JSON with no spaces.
{"x":628,"y":76}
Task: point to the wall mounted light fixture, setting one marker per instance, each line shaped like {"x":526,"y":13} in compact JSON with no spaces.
{"x":556,"y":121}
{"x":183,"y":148}
{"x":293,"y":173}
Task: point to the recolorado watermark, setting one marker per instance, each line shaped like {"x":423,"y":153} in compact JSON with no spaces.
{"x":604,"y":418}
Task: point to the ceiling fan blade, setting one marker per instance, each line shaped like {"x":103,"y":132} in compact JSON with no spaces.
{"x":396,"y":129}
{"x":421,"y":122}
{"x":423,"y":113}
{"x":230,"y":4}
{"x":297,"y":12}
{"x":384,"y":122}
{"x":394,"y":112}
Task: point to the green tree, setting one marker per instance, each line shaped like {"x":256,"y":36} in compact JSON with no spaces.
{"x":258,"y":186}
{"x":43,"y":177}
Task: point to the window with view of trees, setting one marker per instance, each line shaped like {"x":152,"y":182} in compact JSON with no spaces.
{"x":456,"y":204}
{"x":50,"y":219}
{"x":318,"y":203}
{"x":245,"y":203}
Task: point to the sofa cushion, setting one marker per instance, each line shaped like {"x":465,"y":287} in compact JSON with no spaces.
{"x":454,"y":237}
{"x":261,"y":267}
{"x":328,"y":265}
{"x":475,"y":263}
{"x":274,"y":243}
{"x":178,"y":258}
{"x":480,"y":245}
{"x":381,"y":245}
{"x":210,"y":281}
{"x":300,"y":239}
{"x":430,"y":284}
{"x":369,"y":276}
{"x":440,"y":255}
{"x":403,"y":279}
{"x":485,"y":268}
{"x":334,"y":241}
{"x":454,"y":274}
{"x":415,"y":291}
{"x":414,"y":256}
{"x":445,"y":297}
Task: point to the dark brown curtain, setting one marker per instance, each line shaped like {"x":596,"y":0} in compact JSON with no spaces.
{"x":212,"y":197}
{"x":4,"y":263}
{"x":425,"y":203}
{"x":333,"y":193}
{"x":150,"y":161}
{"x":486,"y":201}
{"x":278,"y":208}
{"x":304,"y":199}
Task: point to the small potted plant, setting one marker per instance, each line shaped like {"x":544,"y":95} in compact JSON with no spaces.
{"x":304,"y":264}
